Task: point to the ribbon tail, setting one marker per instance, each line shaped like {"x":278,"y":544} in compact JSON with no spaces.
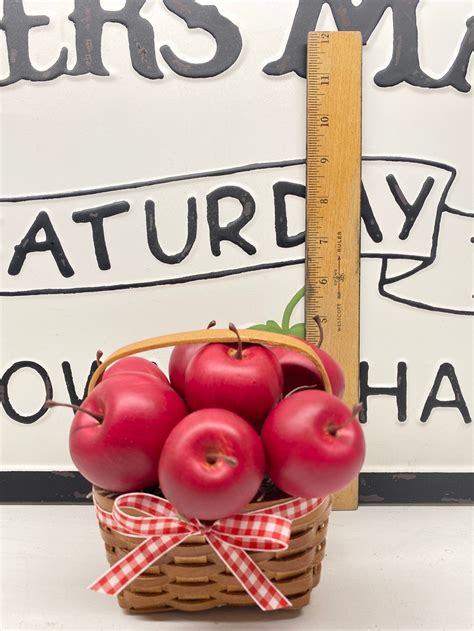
{"x":249,"y":575}
{"x":122,"y":573}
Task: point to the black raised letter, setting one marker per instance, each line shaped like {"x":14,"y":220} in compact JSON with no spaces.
{"x":5,"y":399}
{"x":368,"y":217}
{"x":96,"y":216}
{"x":225,"y":32}
{"x":411,"y":211}
{"x":51,"y":243}
{"x":404,"y":65}
{"x":152,"y":236}
{"x":280,"y":191}
{"x":68,"y":378}
{"x":445,"y":370}
{"x":89,"y":19}
{"x":17,"y":25}
{"x":399,"y":391}
{"x":456,"y":75}
{"x":231,"y":232}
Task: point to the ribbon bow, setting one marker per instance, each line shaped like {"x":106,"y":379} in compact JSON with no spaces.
{"x":163,"y":529}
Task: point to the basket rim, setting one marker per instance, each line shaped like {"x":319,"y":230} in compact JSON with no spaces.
{"x":105,"y":499}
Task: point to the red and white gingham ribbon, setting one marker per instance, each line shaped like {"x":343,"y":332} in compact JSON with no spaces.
{"x":163,"y":529}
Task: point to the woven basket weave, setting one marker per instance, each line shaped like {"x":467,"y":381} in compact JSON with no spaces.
{"x":191,"y":577}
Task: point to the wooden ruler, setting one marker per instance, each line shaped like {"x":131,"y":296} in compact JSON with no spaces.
{"x":333,"y":205}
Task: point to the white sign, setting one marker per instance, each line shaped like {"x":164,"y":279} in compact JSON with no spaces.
{"x":153,"y":179}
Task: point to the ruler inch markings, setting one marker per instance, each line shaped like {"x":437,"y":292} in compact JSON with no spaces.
{"x":333,"y":165}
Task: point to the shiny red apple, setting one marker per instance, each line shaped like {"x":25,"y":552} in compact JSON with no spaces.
{"x":134,"y":364}
{"x":212,"y":464}
{"x":180,"y":359}
{"x":117,"y":435}
{"x":298,"y":370}
{"x":314,"y":444}
{"x":246,"y":380}
{"x":179,"y":362}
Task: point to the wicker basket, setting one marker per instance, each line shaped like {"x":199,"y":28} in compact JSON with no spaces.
{"x":191,"y":577}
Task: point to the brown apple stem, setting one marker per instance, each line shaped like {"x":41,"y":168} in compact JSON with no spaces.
{"x":312,"y":387}
{"x":98,"y":356}
{"x":211,"y":324}
{"x":212,"y":458}
{"x":238,"y":354}
{"x":76,"y":408}
{"x":356,"y":408}
{"x":319,"y":324}
{"x":333,"y":428}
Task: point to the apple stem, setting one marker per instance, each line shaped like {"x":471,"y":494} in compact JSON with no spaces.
{"x":211,"y":324}
{"x":76,"y":408}
{"x":98,"y":357}
{"x":313,"y":387}
{"x":333,"y":428}
{"x":213,"y":457}
{"x":356,"y":408}
{"x":319,"y":324}
{"x":238,"y":354}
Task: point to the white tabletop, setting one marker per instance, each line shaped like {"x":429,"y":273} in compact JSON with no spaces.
{"x":387,"y":568}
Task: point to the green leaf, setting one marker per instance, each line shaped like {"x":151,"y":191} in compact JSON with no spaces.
{"x":290,"y":307}
{"x":298,"y":330}
{"x":273,"y":326}
{"x":258,"y":327}
{"x":270,"y":325}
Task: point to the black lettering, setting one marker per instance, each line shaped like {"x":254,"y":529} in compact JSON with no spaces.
{"x":96,"y":216}
{"x":69,"y":380}
{"x":280,"y":191}
{"x":399,"y":391}
{"x":152,"y":235}
{"x":30,"y":244}
{"x":456,"y":75}
{"x":5,"y":397}
{"x":17,"y":24}
{"x":411,"y":211}
{"x":405,"y":62}
{"x":364,"y":18}
{"x":445,"y":371}
{"x":231,"y":232}
{"x":89,"y":19}
{"x":368,"y":218}
{"x":225,"y":32}
{"x":404,"y":65}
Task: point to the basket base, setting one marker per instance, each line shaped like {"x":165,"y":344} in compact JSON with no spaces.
{"x":297,"y":602}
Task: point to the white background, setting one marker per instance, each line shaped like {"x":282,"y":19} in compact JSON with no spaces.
{"x":86,"y":132}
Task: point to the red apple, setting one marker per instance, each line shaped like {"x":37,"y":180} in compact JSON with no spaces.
{"x":298,"y":370}
{"x":313,"y":443}
{"x":134,"y":364}
{"x":246,"y":380}
{"x":179,"y":362}
{"x":180,"y":358}
{"x":212,"y":464}
{"x":119,"y":449}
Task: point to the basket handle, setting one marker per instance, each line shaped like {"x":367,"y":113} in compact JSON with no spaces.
{"x":207,"y":336}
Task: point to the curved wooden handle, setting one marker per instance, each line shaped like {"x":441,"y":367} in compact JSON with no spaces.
{"x":206,"y":336}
